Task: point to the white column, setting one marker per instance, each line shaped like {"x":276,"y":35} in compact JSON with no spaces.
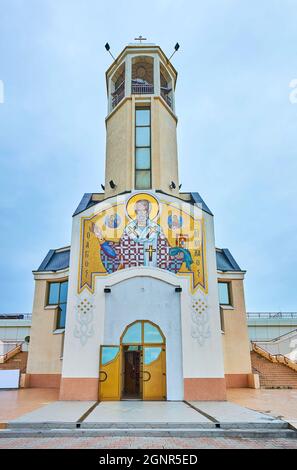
{"x":128,"y":75}
{"x":171,"y":84}
{"x":157,"y":84}
{"x":110,"y":90}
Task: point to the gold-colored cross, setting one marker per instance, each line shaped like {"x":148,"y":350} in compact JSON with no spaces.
{"x":150,"y":251}
{"x":140,"y":39}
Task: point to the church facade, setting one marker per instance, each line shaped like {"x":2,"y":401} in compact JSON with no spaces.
{"x":141,"y":305}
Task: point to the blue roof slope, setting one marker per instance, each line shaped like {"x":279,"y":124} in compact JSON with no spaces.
{"x":55,"y":260}
{"x":225,"y":261}
{"x":197,"y":199}
{"x":85,"y":203}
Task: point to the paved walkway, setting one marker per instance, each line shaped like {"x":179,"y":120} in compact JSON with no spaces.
{"x":275,"y":403}
{"x":144,"y":414}
{"x":146,"y":443}
{"x":14,"y":403}
{"x":57,"y":412}
{"x":278,"y":403}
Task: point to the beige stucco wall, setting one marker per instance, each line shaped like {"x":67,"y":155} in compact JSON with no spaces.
{"x":164,"y":147}
{"x":235,"y":338}
{"x":45,"y":347}
{"x":120,"y":146}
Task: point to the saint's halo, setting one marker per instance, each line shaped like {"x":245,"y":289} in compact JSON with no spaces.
{"x":154,"y":205}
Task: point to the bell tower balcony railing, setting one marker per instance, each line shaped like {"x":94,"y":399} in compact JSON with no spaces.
{"x":165,"y":90}
{"x":140,"y":87}
{"x":166,"y":98}
{"x":118,"y":94}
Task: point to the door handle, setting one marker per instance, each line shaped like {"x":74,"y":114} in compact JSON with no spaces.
{"x":105,"y":376}
{"x":149,"y":376}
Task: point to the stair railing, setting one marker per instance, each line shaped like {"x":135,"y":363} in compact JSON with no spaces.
{"x":276,"y":358}
{"x":4,"y":357}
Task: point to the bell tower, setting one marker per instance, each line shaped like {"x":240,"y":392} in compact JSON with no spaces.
{"x":141,"y":143}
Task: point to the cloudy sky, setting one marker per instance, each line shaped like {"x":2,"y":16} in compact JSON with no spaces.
{"x":236,"y":131}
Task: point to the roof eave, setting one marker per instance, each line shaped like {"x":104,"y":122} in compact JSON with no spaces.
{"x":124,"y":52}
{"x":231,"y":272}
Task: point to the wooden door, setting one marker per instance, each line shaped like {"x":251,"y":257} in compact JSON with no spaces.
{"x":109,"y":373}
{"x":154,"y":373}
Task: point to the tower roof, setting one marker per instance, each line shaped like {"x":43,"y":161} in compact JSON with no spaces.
{"x":140,"y":48}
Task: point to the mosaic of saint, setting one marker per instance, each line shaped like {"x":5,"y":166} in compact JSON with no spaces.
{"x":143,"y":232}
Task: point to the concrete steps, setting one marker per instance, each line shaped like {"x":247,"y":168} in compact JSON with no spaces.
{"x":147,"y":419}
{"x":19,"y":361}
{"x":273,"y":375}
{"x":251,"y":433}
{"x":272,"y":429}
{"x":112,"y":426}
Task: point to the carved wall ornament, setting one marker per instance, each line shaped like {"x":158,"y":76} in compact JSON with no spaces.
{"x":200,"y":328}
{"x":84,"y":328}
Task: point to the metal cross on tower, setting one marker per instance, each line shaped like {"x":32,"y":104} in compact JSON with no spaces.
{"x":140,"y":39}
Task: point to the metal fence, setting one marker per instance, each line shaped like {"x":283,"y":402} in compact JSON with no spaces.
{"x":16,"y":316}
{"x":264,"y":315}
{"x":118,"y":94}
{"x":142,"y":89}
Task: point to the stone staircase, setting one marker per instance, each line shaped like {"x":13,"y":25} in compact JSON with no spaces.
{"x":273,"y":375}
{"x":146,"y":419}
{"x":19,"y":361}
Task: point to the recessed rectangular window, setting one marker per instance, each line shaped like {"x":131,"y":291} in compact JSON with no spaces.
{"x":63,"y":292}
{"x":143,"y":137}
{"x":57,"y":295}
{"x":53,"y":297}
{"x":143,"y":179}
{"x":143,"y":148}
{"x":143,"y":117}
{"x":143,"y":159}
{"x":224,"y":293}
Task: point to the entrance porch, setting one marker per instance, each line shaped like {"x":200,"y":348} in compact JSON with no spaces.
{"x":152,"y":419}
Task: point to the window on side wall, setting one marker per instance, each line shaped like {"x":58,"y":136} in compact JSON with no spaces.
{"x":143,"y":148}
{"x":225,"y":293}
{"x":57,"y":295}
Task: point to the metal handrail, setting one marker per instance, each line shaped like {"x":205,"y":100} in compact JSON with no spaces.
{"x":272,"y":315}
{"x":166,"y":98}
{"x":117,"y":98}
{"x":11,"y":353}
{"x":142,"y":89}
{"x":276,"y":358}
{"x":15,"y":316}
{"x":277,"y":338}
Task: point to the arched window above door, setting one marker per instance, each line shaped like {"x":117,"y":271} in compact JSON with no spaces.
{"x":133,"y":334}
{"x":151,"y":333}
{"x":142,"y":332}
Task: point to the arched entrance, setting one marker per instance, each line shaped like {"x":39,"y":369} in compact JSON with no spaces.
{"x":137,"y":368}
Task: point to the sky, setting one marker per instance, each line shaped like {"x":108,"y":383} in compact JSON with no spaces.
{"x":237,"y":110}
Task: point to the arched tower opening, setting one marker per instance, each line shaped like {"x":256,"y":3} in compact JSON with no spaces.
{"x":166,"y":86}
{"x":142,"y":75}
{"x":118,"y":85}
